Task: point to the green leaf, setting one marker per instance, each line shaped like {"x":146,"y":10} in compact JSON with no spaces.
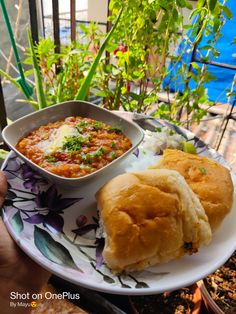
{"x":37,"y":75}
{"x":184,"y":4}
{"x":189,"y":5}
{"x":200,"y":3}
{"x":53,"y":250}
{"x":101,"y":94}
{"x":17,"y":223}
{"x":206,"y":47}
{"x":209,"y":77}
{"x":134,"y":95}
{"x":202,"y":170}
{"x":216,"y":26}
{"x":195,"y":66}
{"x":227,"y":12}
{"x":83,"y":28}
{"x":82,"y":93}
{"x":175,"y":15}
{"x":29,"y":72}
{"x":12,"y":80}
{"x":195,"y":12}
{"x":212,"y":4}
{"x":111,"y":47}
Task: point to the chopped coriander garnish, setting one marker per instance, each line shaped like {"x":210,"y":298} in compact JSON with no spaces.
{"x":79,"y":129}
{"x":90,"y":138}
{"x":73,"y":143}
{"x":85,"y":158}
{"x":202,"y":170}
{"x":114,"y":155}
{"x":81,"y":126}
{"x":113,"y":144}
{"x":158,"y":130}
{"x":99,"y":152}
{"x":114,"y":129}
{"x":51,"y":158}
{"x":83,"y":123}
{"x":171,"y":132}
{"x":97,"y":125}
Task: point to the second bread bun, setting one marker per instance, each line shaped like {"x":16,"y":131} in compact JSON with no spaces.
{"x":209,"y":180}
{"x":150,"y":217}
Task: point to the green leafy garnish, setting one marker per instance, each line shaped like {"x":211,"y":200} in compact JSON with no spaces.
{"x":80,"y":127}
{"x":202,"y":170}
{"x":99,"y":152}
{"x":171,"y":132}
{"x":114,"y":155}
{"x":80,"y":130}
{"x":158,"y":130}
{"x":51,"y":158}
{"x":73,"y":143}
{"x":89,"y":138}
{"x":113,"y":144}
{"x":114,"y":129}
{"x":85,"y":158}
{"x":97,"y":125}
{"x":83,"y":124}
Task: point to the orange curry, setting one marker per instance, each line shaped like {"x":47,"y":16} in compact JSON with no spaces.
{"x":74,"y":147}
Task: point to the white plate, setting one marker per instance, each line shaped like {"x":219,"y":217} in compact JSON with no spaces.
{"x":44,"y":220}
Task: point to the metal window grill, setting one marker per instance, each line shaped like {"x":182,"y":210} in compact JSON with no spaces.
{"x":229,"y":112}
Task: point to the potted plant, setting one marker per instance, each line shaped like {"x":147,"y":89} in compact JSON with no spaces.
{"x":218,"y":289}
{"x":183,"y":301}
{"x":152,"y":27}
{"x":132,"y":80}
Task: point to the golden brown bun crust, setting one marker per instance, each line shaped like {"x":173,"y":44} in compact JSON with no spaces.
{"x":210,"y":181}
{"x":148,"y":216}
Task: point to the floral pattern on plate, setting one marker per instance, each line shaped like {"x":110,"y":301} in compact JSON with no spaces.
{"x":34,"y":205}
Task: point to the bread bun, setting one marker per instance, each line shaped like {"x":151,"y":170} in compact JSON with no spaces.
{"x":210,"y":181}
{"x":150,"y":217}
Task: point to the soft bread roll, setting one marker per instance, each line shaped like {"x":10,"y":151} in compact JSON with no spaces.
{"x":150,"y":217}
{"x":210,"y":181}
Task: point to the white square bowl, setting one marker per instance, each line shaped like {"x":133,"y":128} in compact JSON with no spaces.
{"x":23,"y":126}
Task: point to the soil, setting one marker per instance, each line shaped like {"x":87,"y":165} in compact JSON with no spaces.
{"x":222,"y":286}
{"x":177,"y":302}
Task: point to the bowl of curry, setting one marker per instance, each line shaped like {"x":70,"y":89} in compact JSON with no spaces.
{"x":72,"y":141}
